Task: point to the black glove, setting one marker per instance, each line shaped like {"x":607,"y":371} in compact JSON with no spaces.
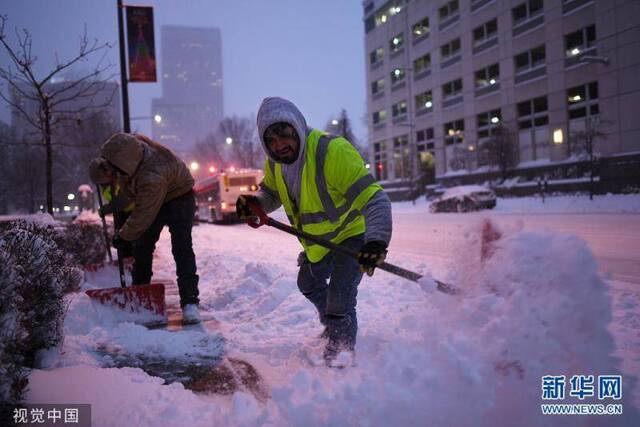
{"x":242,"y":207}
{"x":371,"y":255}
{"x":118,"y":242}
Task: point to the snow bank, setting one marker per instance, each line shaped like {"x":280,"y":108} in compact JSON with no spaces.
{"x":533,"y":305}
{"x":608,"y":203}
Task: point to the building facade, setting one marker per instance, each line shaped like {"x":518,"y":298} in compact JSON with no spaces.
{"x":468,"y":84}
{"x":191,"y":104}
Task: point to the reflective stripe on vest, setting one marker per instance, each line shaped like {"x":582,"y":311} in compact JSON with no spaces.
{"x":326,"y":221}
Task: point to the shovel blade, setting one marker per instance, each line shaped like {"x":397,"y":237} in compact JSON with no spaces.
{"x":133,"y":299}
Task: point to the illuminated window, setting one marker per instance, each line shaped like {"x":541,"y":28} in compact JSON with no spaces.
{"x":376,"y":55}
{"x":582,"y":101}
{"x":379,"y":117}
{"x":397,"y":76}
{"x":420,"y":28}
{"x":487,"y":76}
{"x":397,"y":43}
{"x":401,"y":157}
{"x":579,"y":41}
{"x":424,"y":100}
{"x":487,"y":123}
{"x":380,"y":159}
{"x":454,"y":132}
{"x":399,"y":109}
{"x":377,"y":86}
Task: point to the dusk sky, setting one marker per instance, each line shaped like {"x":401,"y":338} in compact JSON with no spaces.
{"x":311,"y":52}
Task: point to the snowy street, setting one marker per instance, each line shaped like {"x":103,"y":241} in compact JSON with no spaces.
{"x":538,"y":304}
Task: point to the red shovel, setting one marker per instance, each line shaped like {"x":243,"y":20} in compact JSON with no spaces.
{"x":138,"y":299}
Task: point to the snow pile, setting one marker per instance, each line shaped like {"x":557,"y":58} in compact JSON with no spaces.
{"x":608,"y":203}
{"x":532,"y":304}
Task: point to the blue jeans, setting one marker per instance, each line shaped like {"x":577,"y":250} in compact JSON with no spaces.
{"x":335,"y":301}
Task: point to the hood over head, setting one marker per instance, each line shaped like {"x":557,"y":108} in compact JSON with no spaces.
{"x":276,"y":110}
{"x":98,"y":171}
{"x":124,"y":151}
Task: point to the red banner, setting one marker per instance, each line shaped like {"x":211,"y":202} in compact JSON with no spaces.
{"x":141,"y":44}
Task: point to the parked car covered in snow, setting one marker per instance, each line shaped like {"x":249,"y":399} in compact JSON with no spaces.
{"x":464,"y":198}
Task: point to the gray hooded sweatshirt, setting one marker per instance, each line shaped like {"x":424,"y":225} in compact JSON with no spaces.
{"x":377,"y":212}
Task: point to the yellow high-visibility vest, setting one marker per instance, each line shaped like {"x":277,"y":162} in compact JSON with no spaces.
{"x":108,"y":196}
{"x":335,"y":187}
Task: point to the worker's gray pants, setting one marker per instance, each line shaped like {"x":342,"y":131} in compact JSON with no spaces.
{"x":335,"y":301}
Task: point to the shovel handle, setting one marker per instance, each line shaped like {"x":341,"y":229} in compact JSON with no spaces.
{"x":263,"y":218}
{"x":104,"y":224}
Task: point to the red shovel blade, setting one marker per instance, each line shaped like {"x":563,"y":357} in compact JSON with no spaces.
{"x":133,"y":299}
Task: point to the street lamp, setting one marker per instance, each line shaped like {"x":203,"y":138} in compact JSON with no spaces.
{"x":157,"y":118}
{"x":229,"y":140}
{"x":194,"y":166}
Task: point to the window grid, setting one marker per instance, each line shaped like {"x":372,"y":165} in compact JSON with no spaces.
{"x":485,"y":32}
{"x":452,"y":88}
{"x":533,"y":113}
{"x":420,"y":28}
{"x":487,"y":123}
{"x":396,"y":44}
{"x":582,"y":101}
{"x":530,"y":59}
{"x":487,"y":76}
{"x":454,"y":132}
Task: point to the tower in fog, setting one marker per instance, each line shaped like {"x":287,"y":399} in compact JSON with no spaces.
{"x":191,"y":102}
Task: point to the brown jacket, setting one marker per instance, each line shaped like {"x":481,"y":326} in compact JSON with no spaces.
{"x":153,"y":175}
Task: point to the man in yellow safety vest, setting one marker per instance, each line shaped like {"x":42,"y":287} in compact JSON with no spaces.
{"x":326,"y":190}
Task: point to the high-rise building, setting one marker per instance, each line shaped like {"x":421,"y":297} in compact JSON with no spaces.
{"x":191,"y":102}
{"x":457,"y":81}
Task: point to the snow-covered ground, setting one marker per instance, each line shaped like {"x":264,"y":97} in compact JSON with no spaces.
{"x":541,"y":302}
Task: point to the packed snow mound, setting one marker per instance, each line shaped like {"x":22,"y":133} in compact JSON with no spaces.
{"x":531,"y":304}
{"x":535,"y":307}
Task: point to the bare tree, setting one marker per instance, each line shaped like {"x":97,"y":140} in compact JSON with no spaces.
{"x":342,"y":126}
{"x":210,"y":150}
{"x":56,"y":104}
{"x":245,"y":147}
{"x":459,"y":159}
{"x":500,"y":150}
{"x":583,"y":143}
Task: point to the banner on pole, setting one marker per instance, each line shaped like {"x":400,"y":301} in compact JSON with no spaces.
{"x":141,"y":44}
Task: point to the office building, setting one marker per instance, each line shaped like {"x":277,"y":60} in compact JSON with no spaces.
{"x":191,"y":103}
{"x":468,"y":85}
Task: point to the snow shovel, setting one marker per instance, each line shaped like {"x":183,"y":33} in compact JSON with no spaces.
{"x":139,"y":299}
{"x":263,"y":218}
